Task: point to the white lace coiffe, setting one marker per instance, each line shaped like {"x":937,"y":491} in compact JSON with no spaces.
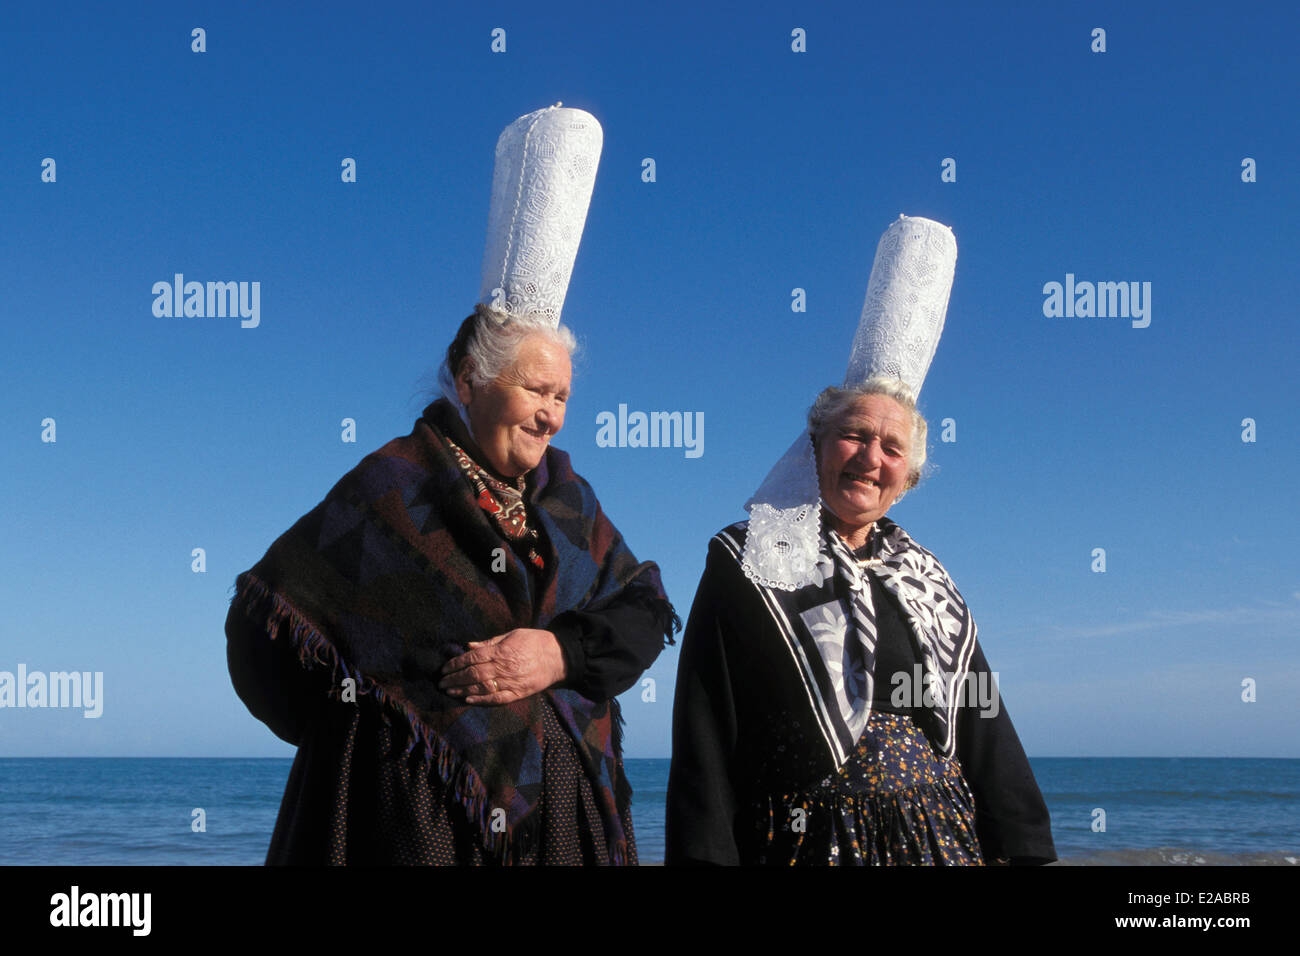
{"x":541,"y":188}
{"x":542,"y":179}
{"x":898,"y":332}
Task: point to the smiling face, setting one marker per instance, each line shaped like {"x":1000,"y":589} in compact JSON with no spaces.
{"x":514,"y":417}
{"x":862,"y":464}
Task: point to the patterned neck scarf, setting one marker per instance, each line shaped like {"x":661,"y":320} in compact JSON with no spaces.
{"x":504,"y":503}
{"x":830,"y":628}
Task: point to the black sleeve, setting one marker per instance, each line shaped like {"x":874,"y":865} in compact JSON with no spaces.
{"x":608,"y":647}
{"x":268,"y":677}
{"x":1011,"y":818}
{"x":701,"y":812}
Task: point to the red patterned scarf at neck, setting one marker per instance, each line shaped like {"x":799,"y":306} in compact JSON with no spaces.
{"x":504,"y":503}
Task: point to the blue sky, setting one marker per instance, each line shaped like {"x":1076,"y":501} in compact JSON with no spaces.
{"x":775,"y":170}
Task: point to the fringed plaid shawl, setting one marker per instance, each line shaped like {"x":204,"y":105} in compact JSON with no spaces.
{"x":398,"y":569}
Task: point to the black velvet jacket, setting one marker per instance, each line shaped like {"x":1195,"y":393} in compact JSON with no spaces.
{"x":742,"y":730}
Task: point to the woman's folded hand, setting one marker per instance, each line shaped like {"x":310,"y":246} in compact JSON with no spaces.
{"x":505,"y":668}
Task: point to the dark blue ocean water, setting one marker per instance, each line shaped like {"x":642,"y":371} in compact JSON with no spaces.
{"x":89,"y":811}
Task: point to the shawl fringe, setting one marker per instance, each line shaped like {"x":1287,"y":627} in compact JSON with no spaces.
{"x":666,"y":620}
{"x":622,"y":786}
{"x":315,"y":650}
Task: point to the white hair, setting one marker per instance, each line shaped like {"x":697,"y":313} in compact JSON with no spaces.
{"x":490,"y":340}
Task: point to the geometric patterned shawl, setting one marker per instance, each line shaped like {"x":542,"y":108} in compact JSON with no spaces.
{"x":829,"y":628}
{"x":392,"y":574}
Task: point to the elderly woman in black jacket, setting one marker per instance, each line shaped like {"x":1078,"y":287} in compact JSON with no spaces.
{"x":769,"y":687}
{"x":833,"y":704}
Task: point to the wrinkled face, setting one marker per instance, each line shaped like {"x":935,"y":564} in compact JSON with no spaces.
{"x":514,"y":417}
{"x":862,"y":462}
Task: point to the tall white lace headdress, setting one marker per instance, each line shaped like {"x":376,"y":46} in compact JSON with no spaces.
{"x":898,"y":332}
{"x":541,"y":188}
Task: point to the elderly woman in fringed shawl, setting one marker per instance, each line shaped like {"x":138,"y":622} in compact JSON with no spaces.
{"x":833,"y":704}
{"x":444,"y":635}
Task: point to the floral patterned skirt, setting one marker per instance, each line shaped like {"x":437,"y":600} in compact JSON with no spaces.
{"x":894,"y":802}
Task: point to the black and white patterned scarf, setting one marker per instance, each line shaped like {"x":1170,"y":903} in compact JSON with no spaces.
{"x":829,"y":627}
